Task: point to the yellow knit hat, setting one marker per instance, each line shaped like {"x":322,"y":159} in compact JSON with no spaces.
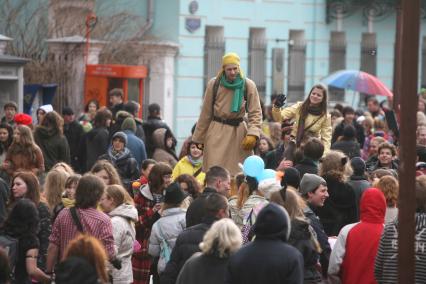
{"x":231,"y":58}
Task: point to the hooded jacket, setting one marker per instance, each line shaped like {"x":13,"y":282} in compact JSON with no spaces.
{"x":352,"y":258}
{"x":167,"y":228}
{"x":149,"y":126}
{"x":126,"y":165}
{"x":123,"y":230}
{"x":53,"y":145}
{"x":262,"y":261}
{"x":162,"y":153}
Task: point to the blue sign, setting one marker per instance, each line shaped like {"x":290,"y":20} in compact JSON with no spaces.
{"x":192,"y":24}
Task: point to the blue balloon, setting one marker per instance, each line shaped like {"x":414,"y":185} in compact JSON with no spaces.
{"x":253,"y":166}
{"x":266,"y":174}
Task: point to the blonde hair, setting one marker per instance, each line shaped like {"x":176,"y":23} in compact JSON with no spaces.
{"x":54,"y":187}
{"x":293,"y":203}
{"x":336,"y":165}
{"x":222,"y":239}
{"x":92,"y":250}
{"x":390,"y":188}
{"x":118,"y":194}
{"x":65,"y":167}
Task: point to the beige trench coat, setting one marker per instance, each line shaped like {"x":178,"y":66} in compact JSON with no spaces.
{"x":222,"y":142}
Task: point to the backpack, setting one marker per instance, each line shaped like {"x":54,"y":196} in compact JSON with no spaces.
{"x":165,"y":249}
{"x":11,"y":247}
{"x":246,"y":230}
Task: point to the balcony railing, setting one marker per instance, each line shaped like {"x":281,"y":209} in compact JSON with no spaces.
{"x":375,"y":10}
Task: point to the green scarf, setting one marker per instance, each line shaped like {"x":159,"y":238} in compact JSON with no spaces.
{"x":238,"y":87}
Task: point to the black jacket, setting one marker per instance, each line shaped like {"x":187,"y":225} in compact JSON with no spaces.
{"x":307,"y":165}
{"x":187,"y":243}
{"x":350,"y":148}
{"x":53,"y":145}
{"x":273,"y":158}
{"x":302,"y":239}
{"x":339,"y":208}
{"x":196,"y":210}
{"x":95,"y":144}
{"x":358,"y":184}
{"x":4,"y":196}
{"x":149,"y":126}
{"x":126,"y":166}
{"x":206,"y":269}
{"x":74,"y":133}
{"x":321,"y":237}
{"x":267,"y":259}
{"x":338,"y":131}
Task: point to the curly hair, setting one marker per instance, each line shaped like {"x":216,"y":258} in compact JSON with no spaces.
{"x":92,"y":250}
{"x":335,"y":165}
{"x":222,"y":239}
{"x":390,"y":188}
{"x":23,"y":219}
{"x":53,"y":122}
{"x":194,"y":188}
{"x":25,"y":145}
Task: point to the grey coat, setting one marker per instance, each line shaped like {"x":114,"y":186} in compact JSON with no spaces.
{"x":168,"y":227}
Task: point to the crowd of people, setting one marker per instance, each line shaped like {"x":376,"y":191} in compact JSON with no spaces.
{"x":104,"y":197}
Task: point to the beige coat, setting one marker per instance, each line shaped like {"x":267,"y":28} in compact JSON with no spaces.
{"x":321,"y":129}
{"x":222,"y":142}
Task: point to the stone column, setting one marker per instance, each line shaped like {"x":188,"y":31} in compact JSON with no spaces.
{"x":69,"y":51}
{"x":3,"y":43}
{"x":159,"y":57}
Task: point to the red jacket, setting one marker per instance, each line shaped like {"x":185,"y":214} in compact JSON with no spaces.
{"x":355,"y":251}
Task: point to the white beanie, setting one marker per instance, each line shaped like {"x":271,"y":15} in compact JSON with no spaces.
{"x":46,"y":108}
{"x":268,"y":186}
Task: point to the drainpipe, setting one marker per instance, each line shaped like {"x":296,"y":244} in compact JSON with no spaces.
{"x":314,"y":31}
{"x":150,"y":18}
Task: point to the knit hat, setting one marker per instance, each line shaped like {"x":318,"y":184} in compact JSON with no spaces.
{"x":310,"y":182}
{"x":46,"y":108}
{"x":231,"y":58}
{"x":358,"y":165}
{"x":174,"y":194}
{"x":268,"y":186}
{"x":291,"y":177}
{"x":129,"y":124}
{"x":23,"y":119}
{"x":67,"y":111}
{"x":272,"y":222}
{"x":75,"y":270}
{"x":121,"y":135}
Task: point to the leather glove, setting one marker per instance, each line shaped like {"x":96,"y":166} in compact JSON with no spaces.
{"x":280,"y":101}
{"x":249,"y":142}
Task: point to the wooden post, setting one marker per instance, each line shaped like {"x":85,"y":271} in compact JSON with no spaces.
{"x":409,"y":58}
{"x":397,"y":60}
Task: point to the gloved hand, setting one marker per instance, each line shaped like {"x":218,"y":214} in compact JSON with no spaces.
{"x":280,"y":101}
{"x":249,"y":142}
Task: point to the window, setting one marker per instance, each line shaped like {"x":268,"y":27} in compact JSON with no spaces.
{"x":296,"y":66}
{"x":257,"y":59}
{"x":214,"y":48}
{"x":337,"y":61}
